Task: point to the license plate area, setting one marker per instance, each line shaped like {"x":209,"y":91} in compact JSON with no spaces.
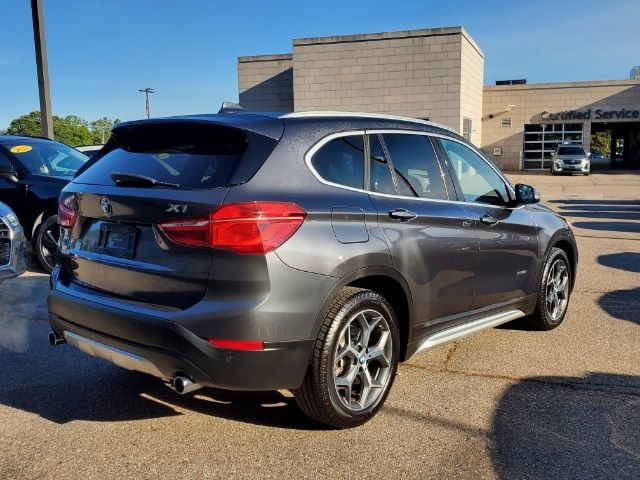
{"x":117,"y":240}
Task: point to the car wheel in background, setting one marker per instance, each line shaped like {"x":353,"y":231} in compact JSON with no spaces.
{"x":553,"y":293}
{"x":354,"y":360}
{"x":45,"y":242}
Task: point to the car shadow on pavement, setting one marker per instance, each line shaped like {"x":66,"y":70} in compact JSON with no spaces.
{"x":627,"y":261}
{"x":626,"y":227}
{"x":569,"y":428}
{"x":596,"y":201}
{"x":623,"y":305}
{"x":63,"y":384}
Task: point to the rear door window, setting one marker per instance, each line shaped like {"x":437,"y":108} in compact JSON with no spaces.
{"x":381,"y":178}
{"x":341,"y":161}
{"x":415,"y":166}
{"x":192,"y":156}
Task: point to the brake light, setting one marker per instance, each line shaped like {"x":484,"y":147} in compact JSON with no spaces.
{"x":66,"y":214}
{"x":251,"y":228}
{"x":247,"y":345}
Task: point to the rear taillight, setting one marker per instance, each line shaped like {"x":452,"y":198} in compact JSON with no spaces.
{"x":253,"y":228}
{"x":66,"y":212}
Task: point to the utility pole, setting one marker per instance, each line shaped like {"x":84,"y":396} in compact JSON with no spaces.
{"x":147,"y":91}
{"x":46,"y":120}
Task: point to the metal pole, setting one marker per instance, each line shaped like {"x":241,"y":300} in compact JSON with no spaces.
{"x":147,"y":108}
{"x":46,"y":120}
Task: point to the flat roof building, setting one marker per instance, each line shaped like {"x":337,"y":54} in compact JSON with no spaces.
{"x":437,"y":74}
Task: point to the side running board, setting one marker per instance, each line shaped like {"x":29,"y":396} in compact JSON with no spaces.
{"x":469,"y":328}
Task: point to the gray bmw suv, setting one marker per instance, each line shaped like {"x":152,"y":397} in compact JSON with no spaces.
{"x":305,"y":251}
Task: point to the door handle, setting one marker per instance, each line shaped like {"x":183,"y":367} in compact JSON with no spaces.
{"x":488,"y":220}
{"x":402,"y":215}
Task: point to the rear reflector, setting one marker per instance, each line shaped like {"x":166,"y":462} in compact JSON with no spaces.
{"x":251,"y":228}
{"x":237,"y":344}
{"x":66,"y":216}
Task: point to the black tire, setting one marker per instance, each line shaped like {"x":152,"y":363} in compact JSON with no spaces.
{"x":318,"y":396}
{"x":45,"y":242}
{"x":542,"y":319}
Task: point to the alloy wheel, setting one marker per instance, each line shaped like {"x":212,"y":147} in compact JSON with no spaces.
{"x":363,"y":360}
{"x":557,"y":291}
{"x":49,"y":244}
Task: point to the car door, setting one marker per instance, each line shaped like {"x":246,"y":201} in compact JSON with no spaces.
{"x":507,"y":258}
{"x":431,"y":239}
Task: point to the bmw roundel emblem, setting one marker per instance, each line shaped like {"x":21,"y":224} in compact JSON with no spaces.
{"x":105,"y":206}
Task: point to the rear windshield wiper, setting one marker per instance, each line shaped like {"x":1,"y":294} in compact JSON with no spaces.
{"x":123,"y":179}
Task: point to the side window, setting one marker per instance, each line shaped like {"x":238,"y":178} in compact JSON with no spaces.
{"x":381,"y":179}
{"x":415,"y":166}
{"x":478,"y":181}
{"x":341,"y":161}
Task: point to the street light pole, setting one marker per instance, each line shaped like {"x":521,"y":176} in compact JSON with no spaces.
{"x":46,"y":120}
{"x":147,"y":91}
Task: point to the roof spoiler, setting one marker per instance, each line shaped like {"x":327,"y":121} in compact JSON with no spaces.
{"x":230,"y":107}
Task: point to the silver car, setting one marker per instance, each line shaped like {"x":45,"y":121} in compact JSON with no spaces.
{"x":12,"y":245}
{"x":570,"y":159}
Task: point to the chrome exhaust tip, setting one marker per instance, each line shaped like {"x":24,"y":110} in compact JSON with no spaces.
{"x":55,"y":339}
{"x":182,"y":385}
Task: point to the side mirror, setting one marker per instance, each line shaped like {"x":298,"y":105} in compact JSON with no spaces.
{"x":8,"y":171}
{"x":526,"y":194}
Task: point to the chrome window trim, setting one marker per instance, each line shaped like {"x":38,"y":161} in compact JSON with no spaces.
{"x":309,"y":155}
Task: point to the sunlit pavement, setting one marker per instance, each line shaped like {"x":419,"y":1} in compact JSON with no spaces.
{"x":507,"y":403}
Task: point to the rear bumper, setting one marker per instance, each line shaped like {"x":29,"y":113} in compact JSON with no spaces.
{"x":165,"y":349}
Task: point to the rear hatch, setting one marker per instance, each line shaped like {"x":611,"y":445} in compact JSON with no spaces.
{"x":151,"y":173}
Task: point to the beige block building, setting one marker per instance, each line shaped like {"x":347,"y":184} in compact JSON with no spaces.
{"x":266,"y":83}
{"x":523,"y":124}
{"x":437,"y":74}
{"x":433,"y":74}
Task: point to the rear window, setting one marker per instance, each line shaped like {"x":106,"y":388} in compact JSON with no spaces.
{"x":341,"y":161}
{"x":570,"y":151}
{"x":194,"y":156}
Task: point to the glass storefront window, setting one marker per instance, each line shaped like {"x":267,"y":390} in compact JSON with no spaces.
{"x":552,"y":137}
{"x":542,"y":139}
{"x":528,"y":137}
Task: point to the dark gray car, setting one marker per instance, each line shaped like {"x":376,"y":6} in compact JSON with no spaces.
{"x":307,"y":251}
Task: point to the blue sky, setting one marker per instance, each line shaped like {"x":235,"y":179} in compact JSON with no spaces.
{"x":102,"y":51}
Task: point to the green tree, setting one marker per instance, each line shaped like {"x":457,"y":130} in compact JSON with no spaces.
{"x":601,"y":142}
{"x":25,"y":125}
{"x":71,"y":129}
{"x":101,"y":129}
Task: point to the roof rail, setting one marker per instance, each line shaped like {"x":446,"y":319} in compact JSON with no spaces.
{"x":230,"y":107}
{"x":382,"y":116}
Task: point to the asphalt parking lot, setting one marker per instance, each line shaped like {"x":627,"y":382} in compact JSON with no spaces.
{"x":508,"y":403}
